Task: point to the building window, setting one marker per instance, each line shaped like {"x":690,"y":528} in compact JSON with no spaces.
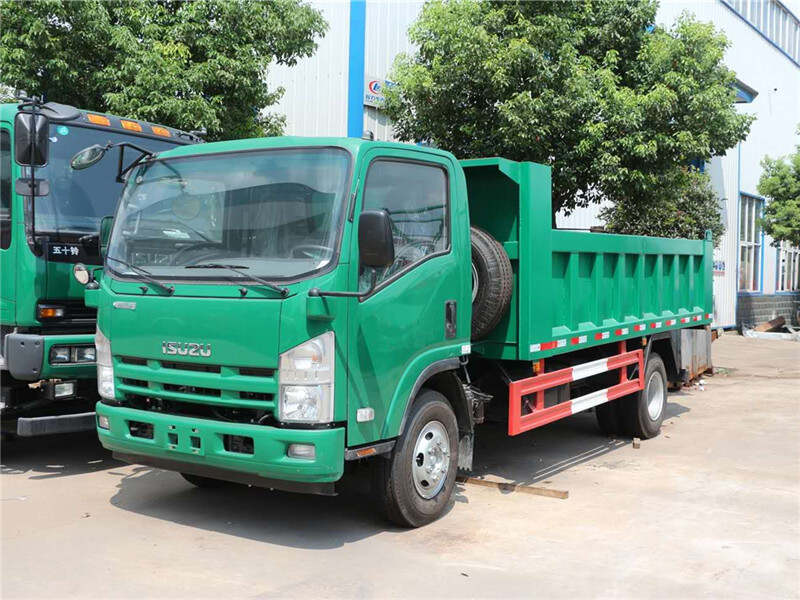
{"x":773,"y":21}
{"x":788,"y":268}
{"x":750,"y":243}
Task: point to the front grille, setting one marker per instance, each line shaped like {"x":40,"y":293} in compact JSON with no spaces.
{"x":192,"y":389}
{"x":241,"y":394}
{"x":201,"y":411}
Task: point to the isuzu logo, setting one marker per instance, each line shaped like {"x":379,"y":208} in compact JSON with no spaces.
{"x":186,"y":348}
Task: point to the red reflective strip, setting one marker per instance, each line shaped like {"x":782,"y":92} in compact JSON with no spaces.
{"x":623,"y":331}
{"x":685,"y":320}
{"x":601,"y":336}
{"x":639,"y":327}
{"x":548,"y":345}
{"x":671,"y":322}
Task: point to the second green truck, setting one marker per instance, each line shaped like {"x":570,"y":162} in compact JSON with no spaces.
{"x":272,"y":309}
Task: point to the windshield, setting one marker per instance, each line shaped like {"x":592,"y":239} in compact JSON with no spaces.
{"x":78,"y":200}
{"x":273,"y":213}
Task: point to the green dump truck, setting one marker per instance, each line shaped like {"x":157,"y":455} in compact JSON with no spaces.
{"x":273,"y":309}
{"x":47,"y":224}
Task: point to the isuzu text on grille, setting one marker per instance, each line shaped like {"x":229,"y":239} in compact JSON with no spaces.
{"x":186,"y":348}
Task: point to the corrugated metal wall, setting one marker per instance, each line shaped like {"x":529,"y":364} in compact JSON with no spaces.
{"x":315,"y":101}
{"x":387,"y":24}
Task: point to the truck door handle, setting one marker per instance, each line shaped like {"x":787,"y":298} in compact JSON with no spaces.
{"x":450,"y":319}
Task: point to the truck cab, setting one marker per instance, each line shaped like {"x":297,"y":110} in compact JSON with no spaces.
{"x":47,"y":353}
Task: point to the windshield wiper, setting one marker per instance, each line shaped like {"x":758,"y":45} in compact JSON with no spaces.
{"x":283,"y":291}
{"x":144,"y":274}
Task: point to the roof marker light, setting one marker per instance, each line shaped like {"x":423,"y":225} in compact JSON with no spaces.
{"x":98,"y":119}
{"x":130,"y":125}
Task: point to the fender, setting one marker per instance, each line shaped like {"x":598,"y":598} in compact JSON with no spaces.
{"x":430,"y":362}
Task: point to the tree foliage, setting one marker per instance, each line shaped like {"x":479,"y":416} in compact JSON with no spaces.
{"x":184,"y":64}
{"x":615,"y":104}
{"x":685,"y":205}
{"x":780,"y":183}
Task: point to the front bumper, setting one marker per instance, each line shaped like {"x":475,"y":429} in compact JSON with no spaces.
{"x":27,"y":356}
{"x":199,"y":444}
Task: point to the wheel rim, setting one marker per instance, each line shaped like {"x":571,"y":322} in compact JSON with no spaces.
{"x":475,"y":282}
{"x":431,"y":459}
{"x":655,"y":396}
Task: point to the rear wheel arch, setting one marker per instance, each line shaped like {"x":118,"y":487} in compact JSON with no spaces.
{"x":662,"y":344}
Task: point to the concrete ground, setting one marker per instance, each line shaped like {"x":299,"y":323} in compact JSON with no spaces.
{"x":711,"y":507}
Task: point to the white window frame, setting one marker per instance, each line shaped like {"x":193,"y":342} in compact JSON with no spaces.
{"x":788,"y":275}
{"x":751,"y":246}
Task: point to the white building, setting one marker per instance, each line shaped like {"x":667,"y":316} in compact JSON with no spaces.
{"x":335,"y":92}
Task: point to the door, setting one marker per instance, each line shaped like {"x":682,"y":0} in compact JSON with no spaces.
{"x":401,"y":326}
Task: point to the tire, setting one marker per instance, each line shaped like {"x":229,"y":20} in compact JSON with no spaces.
{"x":205,"y":482}
{"x":635,"y":411}
{"x":398,"y":485}
{"x":491,"y":282}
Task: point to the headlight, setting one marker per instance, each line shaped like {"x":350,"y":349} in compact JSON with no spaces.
{"x":306,"y":381}
{"x":105,"y":368}
{"x":72,"y":354}
{"x":60,"y":354}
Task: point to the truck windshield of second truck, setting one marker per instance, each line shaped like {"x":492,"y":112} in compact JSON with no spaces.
{"x":78,"y":200}
{"x":275,"y":213}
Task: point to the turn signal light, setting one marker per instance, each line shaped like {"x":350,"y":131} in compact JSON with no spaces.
{"x":98,"y":119}
{"x":160,"y":130}
{"x":49,"y":312}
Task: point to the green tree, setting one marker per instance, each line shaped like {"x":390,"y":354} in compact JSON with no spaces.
{"x":184,"y":64}
{"x":615,"y":104}
{"x":685,"y":205}
{"x":780,"y":183}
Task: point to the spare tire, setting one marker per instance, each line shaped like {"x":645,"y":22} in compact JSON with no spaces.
{"x":491,"y":282}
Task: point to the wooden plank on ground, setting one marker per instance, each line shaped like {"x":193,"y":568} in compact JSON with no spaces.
{"x":776,"y":323}
{"x":513,"y":487}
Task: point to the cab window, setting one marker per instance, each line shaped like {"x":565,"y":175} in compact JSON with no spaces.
{"x":415,"y":197}
{"x":5,"y":189}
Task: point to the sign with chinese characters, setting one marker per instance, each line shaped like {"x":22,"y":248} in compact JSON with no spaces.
{"x":68,"y":252}
{"x":373,"y":90}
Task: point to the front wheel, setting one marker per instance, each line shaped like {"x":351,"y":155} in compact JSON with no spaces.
{"x":415,"y":484}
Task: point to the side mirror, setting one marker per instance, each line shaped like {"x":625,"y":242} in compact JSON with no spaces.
{"x":375,"y":241}
{"x":106,"y":224}
{"x":88,"y":157}
{"x":31,"y":139}
{"x":81,"y":274}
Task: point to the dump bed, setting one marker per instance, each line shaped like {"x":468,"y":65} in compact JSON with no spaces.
{"x":576,"y":289}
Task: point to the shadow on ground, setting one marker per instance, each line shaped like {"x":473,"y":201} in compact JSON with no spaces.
{"x":304,"y":521}
{"x":51,"y":456}
{"x":537,"y":455}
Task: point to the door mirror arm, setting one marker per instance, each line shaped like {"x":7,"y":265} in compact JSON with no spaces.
{"x":317,"y":293}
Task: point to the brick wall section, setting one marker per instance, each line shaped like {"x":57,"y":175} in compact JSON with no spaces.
{"x":752,"y":310}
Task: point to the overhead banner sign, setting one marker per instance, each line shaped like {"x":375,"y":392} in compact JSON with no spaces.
{"x":373,"y":90}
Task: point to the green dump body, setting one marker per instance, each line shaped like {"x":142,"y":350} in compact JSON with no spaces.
{"x":575,"y":289}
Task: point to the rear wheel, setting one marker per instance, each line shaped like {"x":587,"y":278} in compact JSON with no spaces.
{"x":415,"y":484}
{"x":643,"y":412}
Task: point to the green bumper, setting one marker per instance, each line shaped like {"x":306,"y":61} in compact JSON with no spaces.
{"x":270,"y":444}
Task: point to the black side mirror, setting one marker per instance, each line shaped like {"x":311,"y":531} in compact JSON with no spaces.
{"x":375,"y":241}
{"x":106,"y":224}
{"x":31,"y":139}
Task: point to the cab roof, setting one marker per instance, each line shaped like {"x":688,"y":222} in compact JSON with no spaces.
{"x":105,"y":121}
